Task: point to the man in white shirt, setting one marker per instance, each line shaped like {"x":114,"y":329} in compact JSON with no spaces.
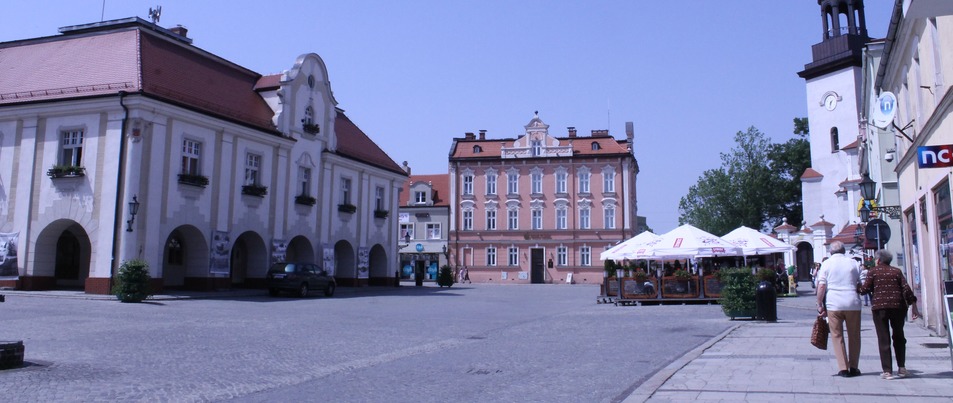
{"x":837,"y":297}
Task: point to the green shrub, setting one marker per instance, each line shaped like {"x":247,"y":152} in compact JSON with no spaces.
{"x":766,"y":274}
{"x":445,"y":277}
{"x":132,"y":282}
{"x":738,"y":292}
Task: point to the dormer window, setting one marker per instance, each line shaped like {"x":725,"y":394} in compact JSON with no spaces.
{"x":420,"y":197}
{"x":596,"y":146}
{"x":537,"y":146}
{"x":477,"y":149}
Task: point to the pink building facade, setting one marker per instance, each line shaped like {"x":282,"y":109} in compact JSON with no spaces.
{"x":540,"y":208}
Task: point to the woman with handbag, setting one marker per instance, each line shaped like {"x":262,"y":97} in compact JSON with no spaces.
{"x":891,"y":297}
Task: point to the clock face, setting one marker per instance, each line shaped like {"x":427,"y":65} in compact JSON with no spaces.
{"x":830,"y":102}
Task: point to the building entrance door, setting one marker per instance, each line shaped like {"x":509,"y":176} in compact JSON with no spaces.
{"x":537,"y":267}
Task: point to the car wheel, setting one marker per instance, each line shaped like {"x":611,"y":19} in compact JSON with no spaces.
{"x":273,"y":292}
{"x":329,"y":291}
{"x":303,"y":291}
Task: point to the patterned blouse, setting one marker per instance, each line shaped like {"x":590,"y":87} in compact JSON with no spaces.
{"x":888,"y":288}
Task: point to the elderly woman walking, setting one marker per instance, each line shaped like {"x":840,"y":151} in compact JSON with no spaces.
{"x":837,"y":298}
{"x":891,"y":297}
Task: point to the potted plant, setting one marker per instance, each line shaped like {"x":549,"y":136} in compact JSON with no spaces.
{"x":65,"y":171}
{"x":305,"y":200}
{"x":381,"y":213}
{"x":193,"y":180}
{"x":640,"y":275}
{"x":347,"y":208}
{"x":445,"y":277}
{"x":255,"y":190}
{"x":682,"y":275}
{"x":737,"y":292}
{"x":132,"y":281}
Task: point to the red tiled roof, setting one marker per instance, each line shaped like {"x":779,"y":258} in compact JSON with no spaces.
{"x":848,"y":182}
{"x":581,"y":146}
{"x":785,"y":226}
{"x":847,"y":234}
{"x":440,"y":183}
{"x":822,"y":223}
{"x":353,"y":143}
{"x":810,"y":173}
{"x":269,"y":82}
{"x":851,"y":146}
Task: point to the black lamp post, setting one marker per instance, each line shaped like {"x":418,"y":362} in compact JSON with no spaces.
{"x":868,"y":190}
{"x":133,"y":210}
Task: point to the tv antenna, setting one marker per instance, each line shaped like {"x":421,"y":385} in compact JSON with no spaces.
{"x":154,"y":14}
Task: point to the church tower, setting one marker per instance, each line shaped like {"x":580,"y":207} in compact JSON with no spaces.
{"x":834,"y":79}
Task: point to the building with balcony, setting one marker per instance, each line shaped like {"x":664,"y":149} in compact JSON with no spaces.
{"x":540,"y":208}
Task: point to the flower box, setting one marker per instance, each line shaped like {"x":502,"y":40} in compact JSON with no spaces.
{"x":311,"y":128}
{"x":381,"y":213}
{"x":255,"y":190}
{"x":193,"y":180}
{"x":305,"y":200}
{"x":66,"y":171}
{"x":347,"y":208}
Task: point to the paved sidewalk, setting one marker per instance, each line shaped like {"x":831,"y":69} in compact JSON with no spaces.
{"x":759,"y":361}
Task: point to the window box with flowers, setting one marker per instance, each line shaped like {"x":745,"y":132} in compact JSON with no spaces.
{"x":255,"y":190}
{"x":347,"y":208}
{"x":381,"y":213}
{"x":305,"y":200}
{"x":193,"y":180}
{"x":66,"y":171}
{"x":310,"y":128}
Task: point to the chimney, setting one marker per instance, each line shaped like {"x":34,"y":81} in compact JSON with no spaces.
{"x":629,"y":131}
{"x":600,"y":133}
{"x":406,"y":168}
{"x":482,"y":134}
{"x":572,"y":131}
{"x":180,"y":31}
{"x":469,"y":136}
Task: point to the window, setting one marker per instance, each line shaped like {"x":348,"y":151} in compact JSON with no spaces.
{"x":405,"y":230}
{"x":433,"y":230}
{"x":491,"y":256}
{"x":491,"y":184}
{"x":536,"y":181}
{"x":379,"y":198}
{"x":304,"y":180}
{"x":252,"y":164}
{"x":308,"y":115}
{"x":561,"y":218}
{"x":491,"y":219}
{"x":608,"y":181}
{"x":537,"y":218}
{"x":561,"y":182}
{"x":467,"y":220}
{"x":477,"y":149}
{"x":512,"y":183}
{"x":562,"y":256}
{"x":512,"y":219}
{"x":584,"y":182}
{"x":585,"y":256}
{"x":420,"y":197}
{"x":595,"y":146}
{"x":191,"y":152}
{"x":468,"y":184}
{"x":513,"y":256}
{"x":584,"y":218}
{"x":608,"y":214}
{"x":537,"y":146}
{"x":835,"y":143}
{"x":72,"y":148}
{"x":176,"y":255}
{"x":345,"y":191}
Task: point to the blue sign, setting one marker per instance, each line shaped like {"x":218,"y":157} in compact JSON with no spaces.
{"x":420,"y":247}
{"x":935,"y":156}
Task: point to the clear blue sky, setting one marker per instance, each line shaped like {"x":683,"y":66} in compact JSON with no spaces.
{"x":415,"y":74}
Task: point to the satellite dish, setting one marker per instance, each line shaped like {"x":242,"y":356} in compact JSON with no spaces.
{"x":878,"y":229}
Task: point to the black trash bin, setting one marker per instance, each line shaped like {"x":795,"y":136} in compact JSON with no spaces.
{"x":766,"y":302}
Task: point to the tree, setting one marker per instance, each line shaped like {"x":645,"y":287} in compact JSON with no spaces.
{"x":757,"y":185}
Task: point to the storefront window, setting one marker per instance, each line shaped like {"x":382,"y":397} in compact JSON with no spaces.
{"x":944,"y":219}
{"x":914,"y":252}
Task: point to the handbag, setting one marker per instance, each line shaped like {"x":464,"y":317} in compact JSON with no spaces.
{"x":820,"y":332}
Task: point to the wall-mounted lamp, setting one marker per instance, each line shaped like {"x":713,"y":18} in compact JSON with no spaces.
{"x":133,"y":210}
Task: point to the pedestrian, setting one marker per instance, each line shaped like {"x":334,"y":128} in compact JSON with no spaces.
{"x":837,"y":298}
{"x":891,"y":297}
{"x":466,"y":276}
{"x":814,"y":268}
{"x":864,"y":270}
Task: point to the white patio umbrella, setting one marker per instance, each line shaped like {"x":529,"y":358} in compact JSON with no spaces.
{"x":690,"y":242}
{"x":630,"y":248}
{"x":753,"y":242}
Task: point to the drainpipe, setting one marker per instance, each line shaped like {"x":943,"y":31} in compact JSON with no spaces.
{"x":120,"y":175}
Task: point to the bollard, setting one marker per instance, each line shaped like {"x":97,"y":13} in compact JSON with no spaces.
{"x":766,"y":302}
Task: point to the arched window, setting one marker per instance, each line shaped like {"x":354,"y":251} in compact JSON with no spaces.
{"x":595,"y":146}
{"x":477,"y":149}
{"x":835,"y":143}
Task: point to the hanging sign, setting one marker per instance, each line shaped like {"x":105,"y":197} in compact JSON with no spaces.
{"x":885,"y":109}
{"x":935,"y":156}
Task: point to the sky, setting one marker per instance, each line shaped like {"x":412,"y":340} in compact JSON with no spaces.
{"x":415,"y":74}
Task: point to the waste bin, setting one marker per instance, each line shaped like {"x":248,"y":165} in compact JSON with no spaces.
{"x":766,"y":302}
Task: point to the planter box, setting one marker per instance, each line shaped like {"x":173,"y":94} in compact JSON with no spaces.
{"x":381,"y":213}
{"x":255,"y":190}
{"x":66,"y":171}
{"x":305,"y":200}
{"x":193,"y":180}
{"x":712,"y":287}
{"x":674,"y":288}
{"x":635,"y":289}
{"x":347,"y":208}
{"x":612,"y":288}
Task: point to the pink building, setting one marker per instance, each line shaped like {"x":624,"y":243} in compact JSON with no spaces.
{"x":540,"y":208}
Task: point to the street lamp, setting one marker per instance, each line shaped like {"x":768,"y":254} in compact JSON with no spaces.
{"x":133,"y":210}
{"x":868,"y":190}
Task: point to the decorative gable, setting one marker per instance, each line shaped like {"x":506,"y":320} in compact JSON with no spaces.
{"x":536,"y":143}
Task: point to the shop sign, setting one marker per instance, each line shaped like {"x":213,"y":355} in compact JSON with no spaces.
{"x":935,"y":156}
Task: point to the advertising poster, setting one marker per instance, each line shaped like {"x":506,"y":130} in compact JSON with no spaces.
{"x":278,"y":250}
{"x":363,"y":262}
{"x":218,"y":258}
{"x":328,"y":260}
{"x":8,"y":255}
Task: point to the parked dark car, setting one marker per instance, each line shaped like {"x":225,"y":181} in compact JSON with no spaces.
{"x":299,"y":278}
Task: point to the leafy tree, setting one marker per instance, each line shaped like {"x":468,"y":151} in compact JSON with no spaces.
{"x":757,"y":185}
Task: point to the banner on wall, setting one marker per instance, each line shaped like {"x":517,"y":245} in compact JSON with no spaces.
{"x":363,"y":260}
{"x":329,"y":261}
{"x":278,"y":250}
{"x":218,"y":258}
{"x":8,"y":255}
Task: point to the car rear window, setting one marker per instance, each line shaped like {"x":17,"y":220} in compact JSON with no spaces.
{"x":282,"y":268}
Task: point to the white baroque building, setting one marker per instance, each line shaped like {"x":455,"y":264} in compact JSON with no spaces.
{"x":231,"y":170}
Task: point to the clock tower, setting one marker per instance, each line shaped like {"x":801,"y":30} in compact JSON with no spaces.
{"x":834,"y":77}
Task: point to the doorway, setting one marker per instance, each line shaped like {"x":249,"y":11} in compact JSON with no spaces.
{"x":537,"y":266}
{"x":804,"y":260}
